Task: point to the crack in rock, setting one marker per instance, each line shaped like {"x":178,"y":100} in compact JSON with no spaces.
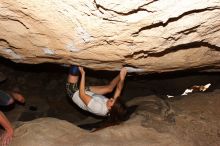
{"x":173,"y":19}
{"x":12,"y":19}
{"x":132,"y":11}
{"x":144,"y":54}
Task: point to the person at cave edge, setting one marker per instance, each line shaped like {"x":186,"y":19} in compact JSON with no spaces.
{"x":8,"y":98}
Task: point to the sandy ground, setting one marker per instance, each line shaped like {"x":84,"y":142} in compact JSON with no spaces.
{"x":198,"y":118}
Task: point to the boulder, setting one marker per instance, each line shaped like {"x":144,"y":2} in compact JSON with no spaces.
{"x":150,"y":36}
{"x":191,"y":121}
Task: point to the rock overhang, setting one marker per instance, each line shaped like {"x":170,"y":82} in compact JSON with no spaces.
{"x":150,"y":36}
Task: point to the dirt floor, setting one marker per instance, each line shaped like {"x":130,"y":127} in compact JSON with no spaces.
{"x":195,"y":118}
{"x":198,"y":118}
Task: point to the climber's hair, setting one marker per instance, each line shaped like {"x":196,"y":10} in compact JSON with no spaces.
{"x":118,"y":112}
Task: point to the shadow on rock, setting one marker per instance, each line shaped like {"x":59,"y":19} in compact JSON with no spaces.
{"x":154,"y":112}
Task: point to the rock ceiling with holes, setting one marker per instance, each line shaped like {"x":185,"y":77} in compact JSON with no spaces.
{"x":149,"y":35}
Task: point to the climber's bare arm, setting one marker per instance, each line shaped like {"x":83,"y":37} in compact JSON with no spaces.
{"x":85,"y":98}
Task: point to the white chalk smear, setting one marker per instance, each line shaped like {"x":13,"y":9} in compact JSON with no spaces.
{"x":71,"y":47}
{"x":132,"y":69}
{"x":13,"y":54}
{"x":48,"y":51}
{"x":81,"y":32}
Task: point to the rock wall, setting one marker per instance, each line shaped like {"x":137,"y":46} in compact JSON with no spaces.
{"x":153,"y":35}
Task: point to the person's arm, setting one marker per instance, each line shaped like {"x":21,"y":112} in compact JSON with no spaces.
{"x":120,"y":84}
{"x":7,"y":136}
{"x":118,"y":89}
{"x":85,"y":98}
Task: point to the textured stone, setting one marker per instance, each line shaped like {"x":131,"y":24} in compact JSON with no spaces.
{"x":153,"y":35}
{"x":196,"y":122}
{"x":55,"y":132}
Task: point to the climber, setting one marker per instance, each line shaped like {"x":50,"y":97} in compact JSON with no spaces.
{"x":91,"y":98}
{"x":8,"y":98}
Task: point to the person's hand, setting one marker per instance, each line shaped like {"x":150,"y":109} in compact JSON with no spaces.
{"x":7,"y":137}
{"x":123,"y":73}
{"x":81,"y":70}
{"x":18,"y":97}
{"x":110,"y":103}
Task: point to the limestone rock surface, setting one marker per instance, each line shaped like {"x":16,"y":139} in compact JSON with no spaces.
{"x":191,"y":121}
{"x":135,"y":131}
{"x":55,"y":132}
{"x":153,"y":35}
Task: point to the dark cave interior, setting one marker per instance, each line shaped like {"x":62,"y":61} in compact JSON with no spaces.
{"x":43,"y":86}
